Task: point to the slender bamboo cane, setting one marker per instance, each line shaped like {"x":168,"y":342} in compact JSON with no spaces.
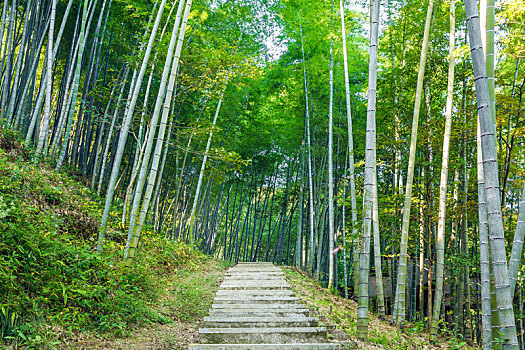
{"x":49,"y":82}
{"x":440,"y":240}
{"x":377,"y":250}
{"x":153,"y":125}
{"x":401,"y":272}
{"x":370,"y":164}
{"x":132,"y":244}
{"x":125,"y":129}
{"x":331,"y":253}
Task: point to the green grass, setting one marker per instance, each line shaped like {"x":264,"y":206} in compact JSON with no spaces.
{"x":337,"y":311}
{"x":53,"y":286}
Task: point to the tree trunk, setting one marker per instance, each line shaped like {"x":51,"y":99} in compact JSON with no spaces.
{"x":311,"y":249}
{"x":377,"y":250}
{"x":125,"y":129}
{"x":331,"y":253}
{"x":440,"y":239}
{"x":370,"y":164}
{"x":401,"y":272}
{"x":133,"y":238}
{"x":517,"y":245}
{"x":49,"y":81}
{"x":490,"y":171}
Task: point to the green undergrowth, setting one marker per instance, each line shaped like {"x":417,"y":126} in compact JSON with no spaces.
{"x":53,"y":285}
{"x":340,"y":316}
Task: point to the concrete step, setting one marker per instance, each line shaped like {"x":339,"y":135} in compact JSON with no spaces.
{"x":258,"y":313}
{"x":235,"y":279}
{"x":243,"y":322}
{"x":304,"y":346}
{"x":257,"y":264}
{"x":255,"y":299}
{"x":278,"y":335}
{"x":255,"y":269}
{"x":254,"y":277}
{"x":255,"y":292}
{"x":260,"y":279}
{"x":257,"y":306}
{"x":250,"y":274}
{"x":254,"y":285}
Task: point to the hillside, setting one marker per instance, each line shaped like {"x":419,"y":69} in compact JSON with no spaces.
{"x":56,"y":292}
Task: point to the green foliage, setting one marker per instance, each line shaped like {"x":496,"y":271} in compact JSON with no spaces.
{"x":9,"y":321}
{"x":49,"y":272}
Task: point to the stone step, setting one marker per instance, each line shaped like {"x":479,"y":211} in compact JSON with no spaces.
{"x":243,"y":322}
{"x":262,"y":335}
{"x":252,"y":279}
{"x":253,"y":276}
{"x":255,"y":269}
{"x":274,"y":280}
{"x":304,"y":346}
{"x":253,"y":285}
{"x":254,"y":292}
{"x":257,"y":306}
{"x":261,"y":264}
{"x":258,"y":313}
{"x":256,"y":272}
{"x":255,"y":299}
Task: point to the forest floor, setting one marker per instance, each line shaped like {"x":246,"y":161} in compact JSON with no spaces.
{"x":188,"y":295}
{"x":339,"y":315}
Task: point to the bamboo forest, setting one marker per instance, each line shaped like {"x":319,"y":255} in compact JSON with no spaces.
{"x":373,"y":151}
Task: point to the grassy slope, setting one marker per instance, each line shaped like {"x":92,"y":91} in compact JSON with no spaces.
{"x":185,"y":299}
{"x":56,"y":292}
{"x":339,"y":315}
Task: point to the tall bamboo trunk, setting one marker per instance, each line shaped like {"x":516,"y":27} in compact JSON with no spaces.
{"x":402,"y":269}
{"x":351,"y":166}
{"x":440,"y":239}
{"x":370,"y":164}
{"x":311,"y":235}
{"x":377,"y":250}
{"x":331,"y":253}
{"x":125,"y":129}
{"x":490,"y":172}
{"x":49,"y":82}
{"x":133,"y":239}
{"x":517,"y":245}
{"x":206,"y":152}
{"x":143,"y":174}
{"x":76,"y":83}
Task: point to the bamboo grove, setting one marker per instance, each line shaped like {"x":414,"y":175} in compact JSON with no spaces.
{"x":304,"y":133}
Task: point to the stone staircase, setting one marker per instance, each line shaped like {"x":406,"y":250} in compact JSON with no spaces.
{"x":256,"y":309}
